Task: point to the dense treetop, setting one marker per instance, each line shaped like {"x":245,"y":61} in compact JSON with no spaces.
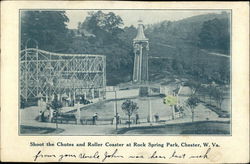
{"x":184,"y":44}
{"x":48,"y":28}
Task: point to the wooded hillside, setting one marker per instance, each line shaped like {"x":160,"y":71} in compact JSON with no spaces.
{"x":187,"y":48}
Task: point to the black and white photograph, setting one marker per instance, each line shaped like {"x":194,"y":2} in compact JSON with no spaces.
{"x":128,"y":72}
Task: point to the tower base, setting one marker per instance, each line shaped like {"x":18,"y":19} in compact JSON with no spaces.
{"x":143,"y":91}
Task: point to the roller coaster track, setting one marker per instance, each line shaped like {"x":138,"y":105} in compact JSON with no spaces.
{"x":44,"y":73}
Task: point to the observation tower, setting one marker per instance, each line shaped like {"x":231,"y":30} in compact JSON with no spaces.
{"x":141,"y":48}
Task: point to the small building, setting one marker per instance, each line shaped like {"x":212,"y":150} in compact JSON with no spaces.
{"x":82,"y":33}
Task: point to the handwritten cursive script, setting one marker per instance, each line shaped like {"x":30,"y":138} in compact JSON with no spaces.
{"x":112,"y":155}
{"x":204,"y":156}
{"x":116,"y":155}
{"x":95,"y":156}
{"x":40,"y":155}
{"x":176,"y":155}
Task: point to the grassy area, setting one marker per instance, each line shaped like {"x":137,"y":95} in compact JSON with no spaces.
{"x":201,"y":127}
{"x":39,"y":130}
{"x":219,"y":112}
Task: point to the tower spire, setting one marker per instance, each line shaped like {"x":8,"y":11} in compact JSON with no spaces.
{"x":140,"y":32}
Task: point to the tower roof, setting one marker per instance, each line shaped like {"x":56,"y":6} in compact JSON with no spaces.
{"x":140,"y":32}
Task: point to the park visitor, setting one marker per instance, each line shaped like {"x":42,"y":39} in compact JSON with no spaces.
{"x":95,"y":116}
{"x":137,"y":118}
{"x":156,"y":117}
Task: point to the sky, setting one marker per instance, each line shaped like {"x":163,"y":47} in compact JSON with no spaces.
{"x":131,"y":17}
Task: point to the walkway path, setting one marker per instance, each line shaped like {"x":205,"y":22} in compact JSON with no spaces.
{"x":202,"y":113}
{"x":28,"y":118}
{"x":216,"y":53}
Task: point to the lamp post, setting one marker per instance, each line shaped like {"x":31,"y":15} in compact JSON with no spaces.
{"x":149,"y":111}
{"x":49,"y":84}
{"x":116,"y":114}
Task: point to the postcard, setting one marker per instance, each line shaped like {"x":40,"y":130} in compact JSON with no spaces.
{"x":107,"y":81}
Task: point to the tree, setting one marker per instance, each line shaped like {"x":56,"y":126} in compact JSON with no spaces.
{"x":171,"y":101}
{"x":203,"y":91}
{"x":48,"y":28}
{"x":129,"y":107}
{"x":104,"y":26}
{"x":194,"y":85}
{"x":127,"y":36}
{"x":192,"y":102}
{"x":224,"y":71}
{"x":177,"y":65}
{"x":218,"y":96}
{"x":215,"y":34}
{"x":211,"y":91}
{"x":110,"y":40}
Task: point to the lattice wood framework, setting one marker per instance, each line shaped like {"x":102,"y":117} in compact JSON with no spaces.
{"x":45,"y":73}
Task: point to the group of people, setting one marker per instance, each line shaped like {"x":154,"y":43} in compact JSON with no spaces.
{"x":44,"y":115}
{"x":43,"y":118}
{"x":156,"y":118}
{"x":116,"y":117}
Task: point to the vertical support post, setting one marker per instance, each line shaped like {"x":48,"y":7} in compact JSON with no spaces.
{"x":99,"y":92}
{"x":138,"y":67}
{"x":149,"y":111}
{"x":93,"y":93}
{"x":39,"y":105}
{"x":140,"y":70}
{"x":70,"y":102}
{"x":104,"y":71}
{"x":43,"y":104}
{"x":58,"y":97}
{"x":26,"y":74}
{"x":74,"y":96}
{"x":173,"y":112}
{"x":135,"y":65}
{"x":177,"y":96}
{"x":116,"y":114}
{"x":38,"y":102}
{"x":37,"y":79}
{"x":85,"y":95}
{"x":50,"y":114}
{"x":78,"y":113}
{"x":146,"y":55}
{"x":50,"y":78}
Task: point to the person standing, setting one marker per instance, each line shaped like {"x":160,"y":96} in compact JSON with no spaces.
{"x":95,"y":116}
{"x":156,"y":117}
{"x":137,"y":118}
{"x":40,"y":116}
{"x":118,"y":119}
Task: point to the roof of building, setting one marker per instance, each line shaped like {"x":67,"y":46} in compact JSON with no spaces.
{"x":140,"y":32}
